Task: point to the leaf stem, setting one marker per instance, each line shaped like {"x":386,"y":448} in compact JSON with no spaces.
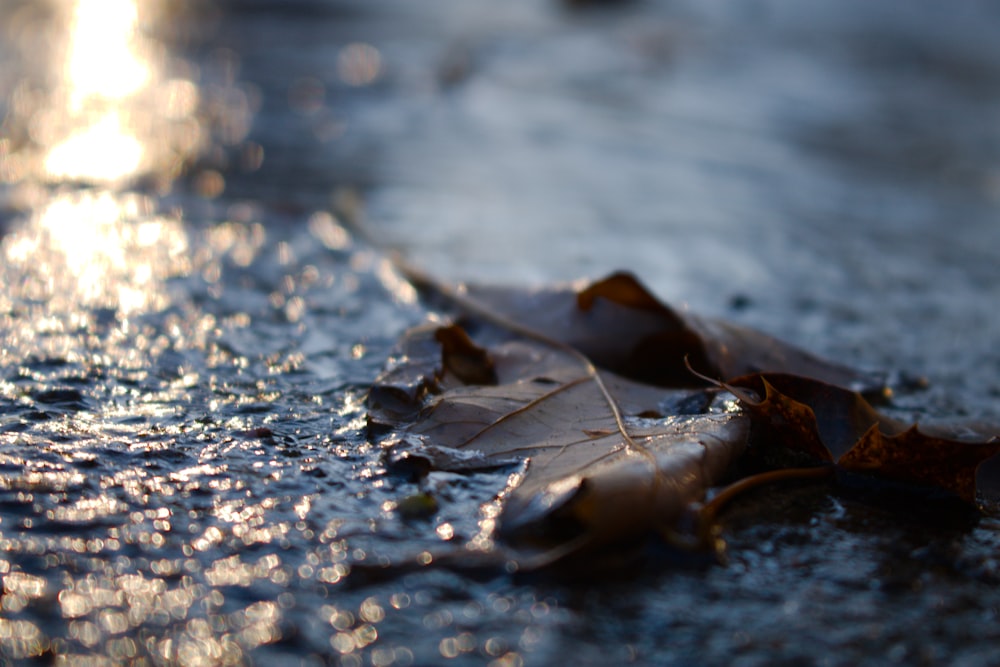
{"x":710,"y":510}
{"x":708,"y":513}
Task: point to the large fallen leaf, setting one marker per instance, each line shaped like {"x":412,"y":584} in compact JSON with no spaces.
{"x":588,"y":385}
{"x":603,"y":464}
{"x":609,"y":398}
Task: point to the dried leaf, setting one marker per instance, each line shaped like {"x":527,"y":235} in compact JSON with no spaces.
{"x":801,"y":414}
{"x":917,"y":458}
{"x":830,"y":423}
{"x":587,"y":481}
{"x":606,"y":458}
{"x":587,"y":385}
{"x":621,"y":326}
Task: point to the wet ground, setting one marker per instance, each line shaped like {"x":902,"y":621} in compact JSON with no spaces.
{"x":187,"y":328}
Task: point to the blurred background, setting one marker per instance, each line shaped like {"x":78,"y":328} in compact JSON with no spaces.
{"x":184,"y":303}
{"x":831,"y":167}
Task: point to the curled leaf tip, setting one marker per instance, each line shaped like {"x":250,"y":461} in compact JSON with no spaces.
{"x":463,"y":358}
{"x":621,"y":287}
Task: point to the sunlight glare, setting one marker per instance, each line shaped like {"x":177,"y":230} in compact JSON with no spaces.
{"x":104,"y":151}
{"x":103,"y":59}
{"x":104,"y":73}
{"x":100,"y":250}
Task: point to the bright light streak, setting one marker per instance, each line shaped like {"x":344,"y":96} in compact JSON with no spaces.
{"x":103,"y":74}
{"x":103,"y":57}
{"x":99,"y":250}
{"x":105,"y":151}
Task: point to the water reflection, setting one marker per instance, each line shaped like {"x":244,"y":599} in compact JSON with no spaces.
{"x":103,"y":56}
{"x":105,"y":151}
{"x":109,"y":105}
{"x":149,"y":514}
{"x":108,"y":115}
{"x":359,"y":64}
{"x":98,"y":250}
{"x":103,"y":68}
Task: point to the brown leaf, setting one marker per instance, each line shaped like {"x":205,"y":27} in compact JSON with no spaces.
{"x":579,"y":383}
{"x":917,"y":458}
{"x":410,"y":374}
{"x":806,"y":414}
{"x":593,"y":476}
{"x":779,"y":421}
{"x":621,"y":326}
{"x":464,"y":359}
{"x":834,"y":424}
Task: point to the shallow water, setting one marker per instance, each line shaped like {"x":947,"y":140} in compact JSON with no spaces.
{"x":187,"y":328}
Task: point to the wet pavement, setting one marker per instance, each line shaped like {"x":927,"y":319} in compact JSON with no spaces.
{"x":188,"y":325}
